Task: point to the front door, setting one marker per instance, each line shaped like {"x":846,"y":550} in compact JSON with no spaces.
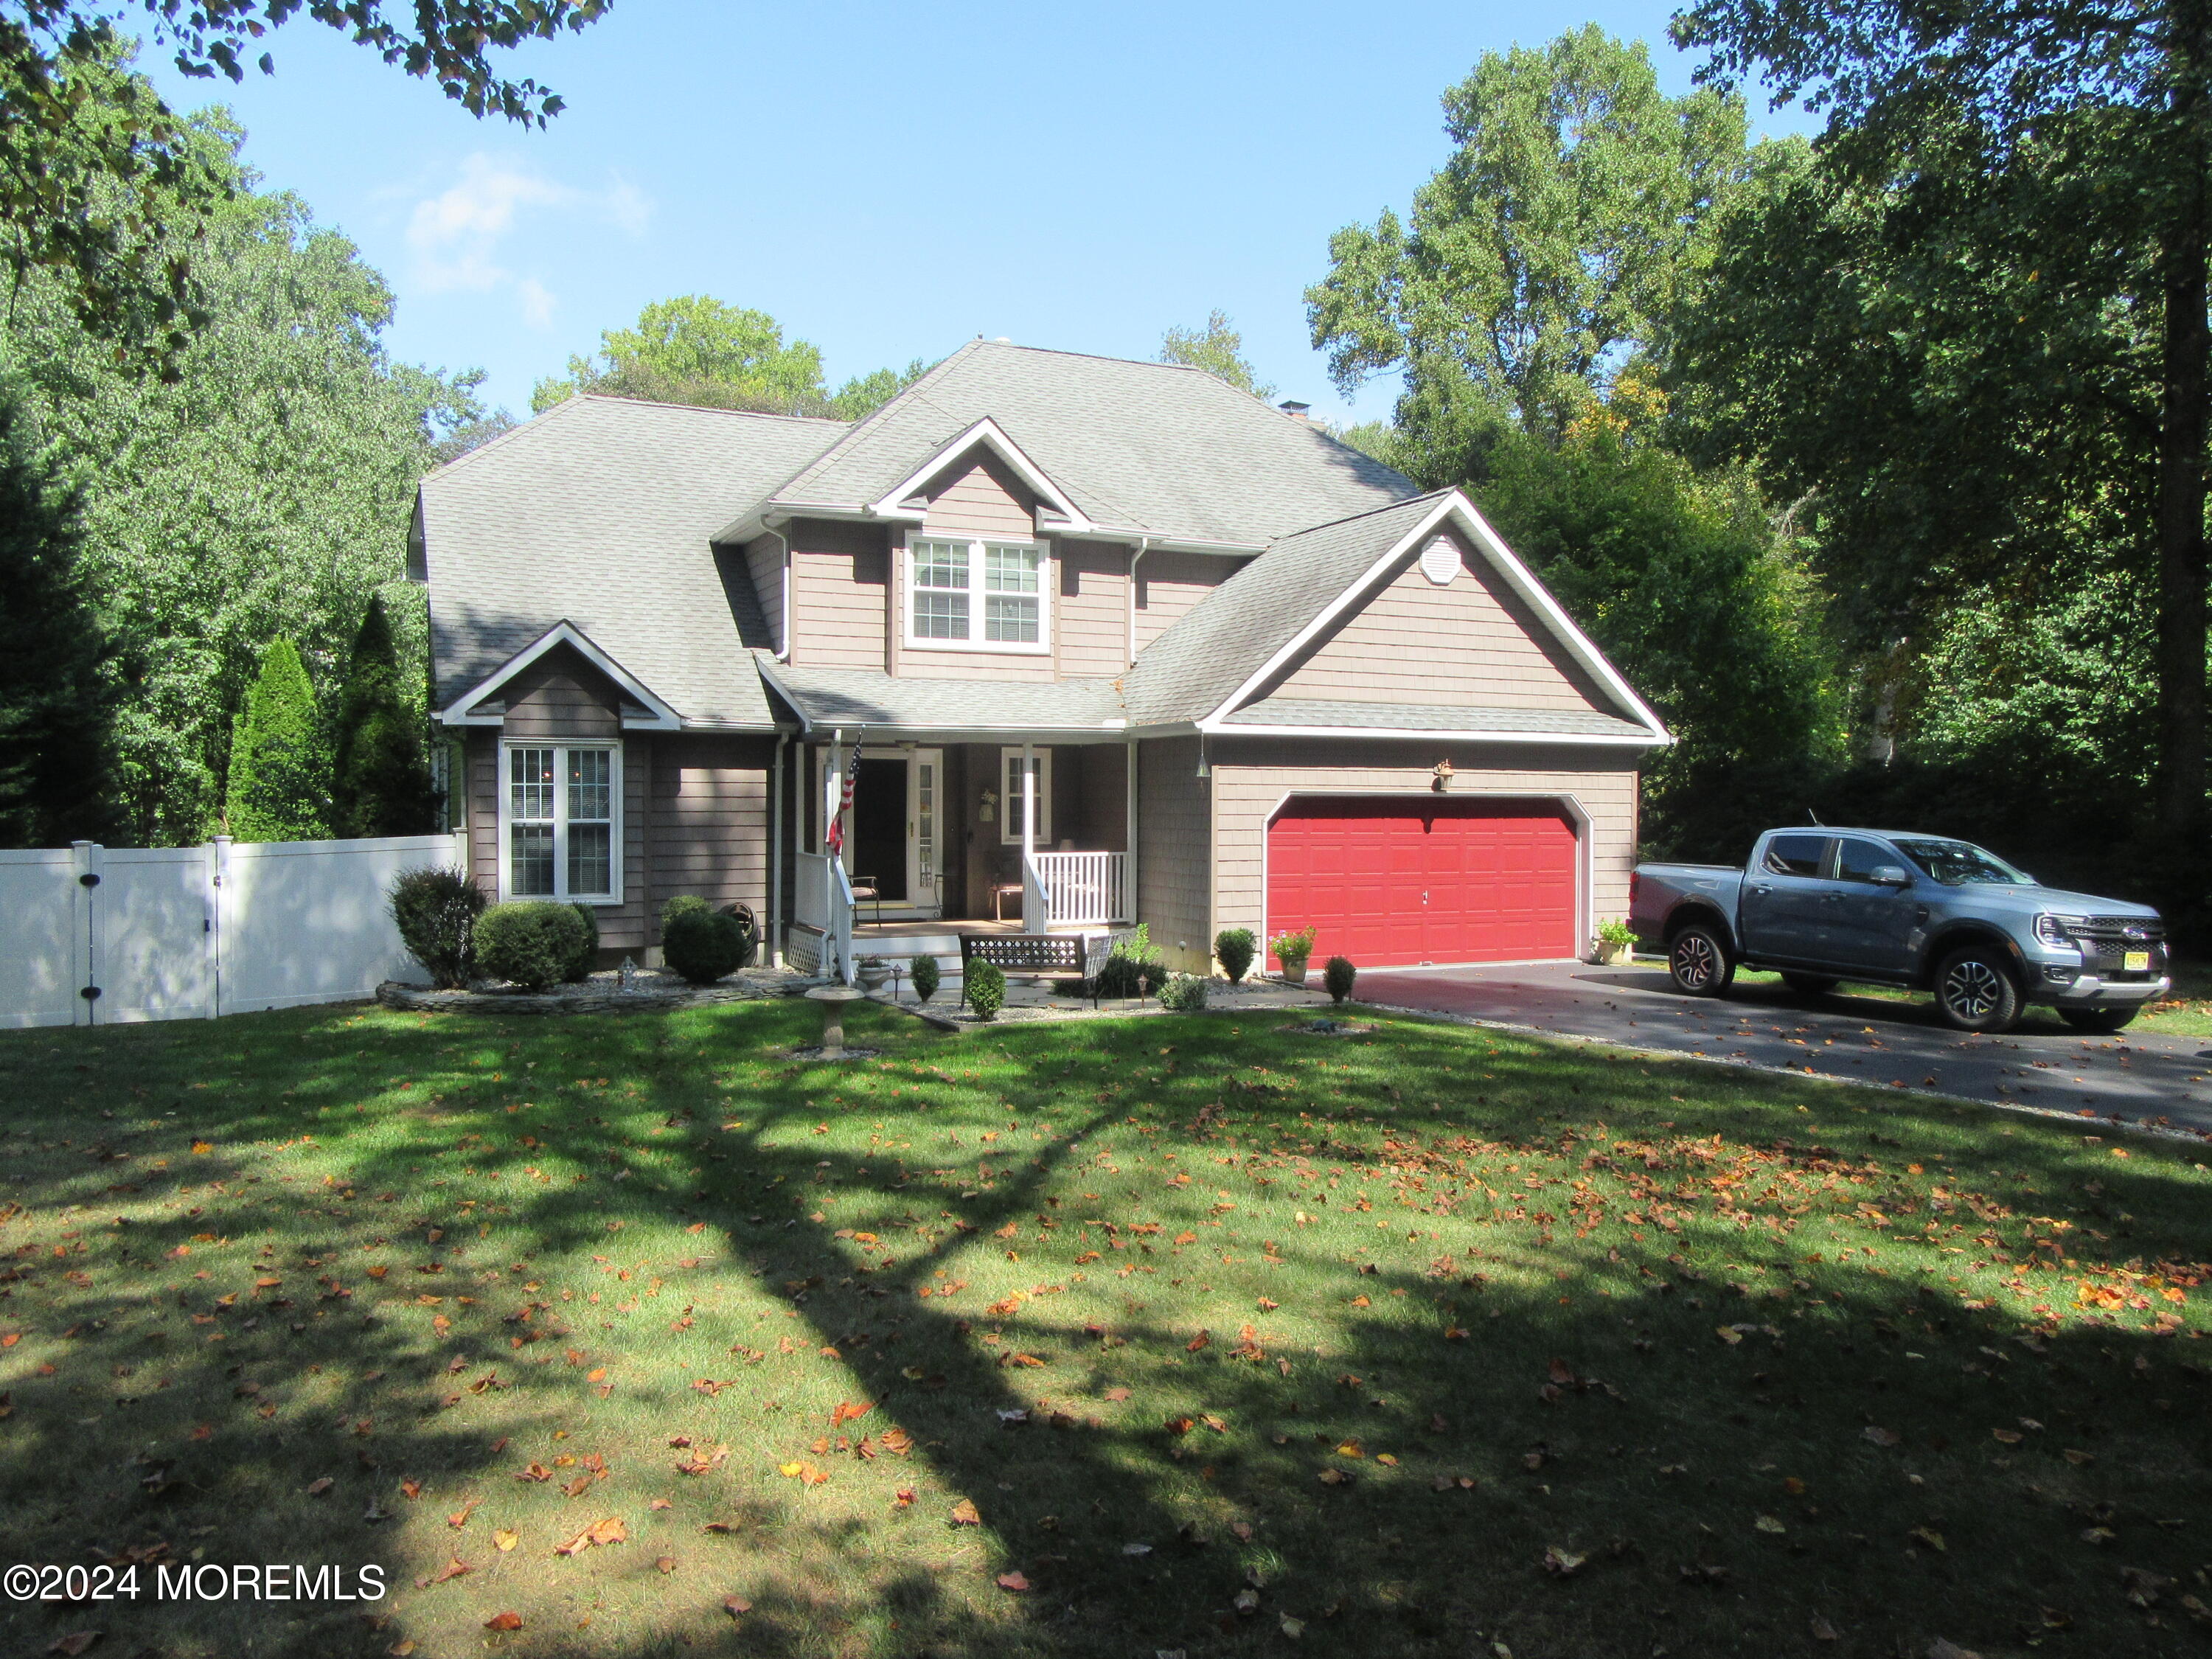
{"x":893,"y":835}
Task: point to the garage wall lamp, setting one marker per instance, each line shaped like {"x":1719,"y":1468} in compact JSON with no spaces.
{"x":1204,"y":770}
{"x":1441,"y":775}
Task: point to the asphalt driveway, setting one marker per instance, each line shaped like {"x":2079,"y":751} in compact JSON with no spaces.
{"x":2158,"y":1080}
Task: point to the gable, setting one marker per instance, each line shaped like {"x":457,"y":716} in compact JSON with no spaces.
{"x":978,"y":494}
{"x":561,"y":695}
{"x":1470,"y":641}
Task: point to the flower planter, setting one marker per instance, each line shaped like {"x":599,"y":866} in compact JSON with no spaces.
{"x":1612,"y":952}
{"x":1294,"y":972}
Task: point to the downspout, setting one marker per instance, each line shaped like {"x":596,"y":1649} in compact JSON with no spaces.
{"x":783,"y":635}
{"x":775,"y":856}
{"x":1144,"y":546}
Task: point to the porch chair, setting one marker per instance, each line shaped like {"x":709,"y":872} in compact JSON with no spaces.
{"x":867,"y":890}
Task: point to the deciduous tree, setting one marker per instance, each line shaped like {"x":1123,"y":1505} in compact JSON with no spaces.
{"x":1217,"y":349}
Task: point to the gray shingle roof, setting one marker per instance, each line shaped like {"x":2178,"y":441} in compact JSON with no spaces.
{"x":1186,"y":673}
{"x":1442,"y":717}
{"x":1146,"y":446}
{"x":600,"y":511}
{"x":859,"y":696}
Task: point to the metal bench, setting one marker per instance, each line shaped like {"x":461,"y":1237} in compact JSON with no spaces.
{"x":1026,"y":956}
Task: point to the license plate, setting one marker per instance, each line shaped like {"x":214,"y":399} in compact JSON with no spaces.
{"x":2135,"y":961}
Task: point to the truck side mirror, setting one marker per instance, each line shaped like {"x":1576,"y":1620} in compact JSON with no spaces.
{"x":1891,"y":875}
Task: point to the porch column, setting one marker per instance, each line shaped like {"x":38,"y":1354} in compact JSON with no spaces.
{"x":1029,"y":801}
{"x":1129,"y":835}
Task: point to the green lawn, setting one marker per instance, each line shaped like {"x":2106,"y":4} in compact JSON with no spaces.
{"x":1432,"y":1341}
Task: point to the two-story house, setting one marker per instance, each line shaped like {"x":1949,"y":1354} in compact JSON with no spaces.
{"x":1048,"y":641}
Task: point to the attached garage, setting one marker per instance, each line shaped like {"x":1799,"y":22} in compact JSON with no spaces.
{"x":1399,"y":881}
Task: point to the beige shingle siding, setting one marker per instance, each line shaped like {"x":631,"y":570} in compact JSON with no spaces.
{"x":1091,"y":597}
{"x":982,"y":498}
{"x":1472,"y":641}
{"x":1170,"y":584}
{"x":840,"y":591}
{"x":709,"y":821}
{"x":601,"y":512}
{"x":1148,"y":445}
{"x":764,"y":563}
{"x":1174,"y":885}
{"x":1252,"y":777}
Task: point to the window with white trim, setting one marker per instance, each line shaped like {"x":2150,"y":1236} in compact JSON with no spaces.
{"x":561,"y":807}
{"x":977,"y":595}
{"x":1010,"y":775}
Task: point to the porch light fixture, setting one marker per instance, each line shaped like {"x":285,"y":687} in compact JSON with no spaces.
{"x":1204,"y":770}
{"x":985,"y":814}
{"x":1441,"y":775}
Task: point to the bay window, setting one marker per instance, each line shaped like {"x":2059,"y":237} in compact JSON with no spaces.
{"x":976,"y":595}
{"x":559,"y":807}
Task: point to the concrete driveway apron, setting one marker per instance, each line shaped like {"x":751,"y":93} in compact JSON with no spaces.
{"x":2164,"y":1081}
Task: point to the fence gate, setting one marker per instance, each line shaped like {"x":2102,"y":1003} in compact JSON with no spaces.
{"x":152,"y":927}
{"x":42,"y":967}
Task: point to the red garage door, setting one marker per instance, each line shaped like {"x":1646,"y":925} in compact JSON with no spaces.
{"x":1394,"y":883}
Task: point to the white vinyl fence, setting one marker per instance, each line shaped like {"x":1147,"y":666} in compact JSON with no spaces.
{"x":101,"y":935}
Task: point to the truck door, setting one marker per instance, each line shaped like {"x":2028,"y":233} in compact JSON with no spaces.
{"x":1869,"y":922}
{"x":1784,"y":909}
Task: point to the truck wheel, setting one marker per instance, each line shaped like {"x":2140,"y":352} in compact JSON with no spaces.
{"x":1975,"y":990}
{"x":2101,"y":1021}
{"x":1700,"y":961}
{"x":1810,"y":985}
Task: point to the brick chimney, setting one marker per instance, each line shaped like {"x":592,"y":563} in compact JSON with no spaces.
{"x":1295,"y":410}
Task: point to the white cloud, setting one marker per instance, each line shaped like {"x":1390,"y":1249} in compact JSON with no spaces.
{"x":455,"y":236}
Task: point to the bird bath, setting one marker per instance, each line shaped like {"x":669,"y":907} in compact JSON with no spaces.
{"x":833,"y":998}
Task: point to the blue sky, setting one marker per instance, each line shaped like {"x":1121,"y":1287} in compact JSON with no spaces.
{"x":889,"y":180}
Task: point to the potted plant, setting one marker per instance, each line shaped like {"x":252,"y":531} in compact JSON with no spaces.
{"x":873,"y":972}
{"x":1292,"y":949}
{"x":1616,"y":941}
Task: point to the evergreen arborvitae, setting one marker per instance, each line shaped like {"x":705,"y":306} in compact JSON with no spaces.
{"x":276,"y":790}
{"x":380,"y":774}
{"x":57,"y":700}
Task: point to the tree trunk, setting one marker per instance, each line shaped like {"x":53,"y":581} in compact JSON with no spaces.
{"x":2182,"y":436}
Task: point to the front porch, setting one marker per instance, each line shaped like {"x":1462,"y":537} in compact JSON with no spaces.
{"x":905,"y":845}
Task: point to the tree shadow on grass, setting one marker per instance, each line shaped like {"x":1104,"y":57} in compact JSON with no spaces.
{"x":1646,"y":1457}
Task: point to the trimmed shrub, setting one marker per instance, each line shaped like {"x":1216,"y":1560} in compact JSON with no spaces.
{"x":985,"y":989}
{"x":436,"y":913}
{"x":278,"y":783}
{"x":1235,"y":947}
{"x":682,"y":904}
{"x":1118,"y":976}
{"x":579,"y":967}
{"x":704,"y":945}
{"x":1132,"y":967}
{"x":923,"y":971}
{"x":1336,"y":977}
{"x":1184,"y":993}
{"x":529,"y":942}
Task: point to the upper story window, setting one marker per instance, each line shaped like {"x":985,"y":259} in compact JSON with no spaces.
{"x":559,"y":837}
{"x":976,"y":595}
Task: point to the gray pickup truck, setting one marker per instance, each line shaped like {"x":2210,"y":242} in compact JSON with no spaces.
{"x":1822,"y":905}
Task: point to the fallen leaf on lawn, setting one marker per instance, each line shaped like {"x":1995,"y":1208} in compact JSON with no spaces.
{"x":736,"y":1605}
{"x":1293,"y":1628}
{"x":1562,"y":1562}
{"x":1012,"y":1580}
{"x":506,"y":1538}
{"x":965,"y":1514}
{"x":455,"y":1568}
{"x":1242,"y":1529}
{"x":1117,"y":1394}
{"x":1385,"y":1457}
{"x":1562,"y":1373}
{"x":2078,"y":1458}
{"x":2007,"y":1437}
{"x":1881,"y":1436}
{"x":504,"y":1621}
{"x":401,"y":1650}
{"x":1729,"y":1336}
{"x":1824,"y":1631}
{"x":1350,"y":1448}
{"x":1940,"y":1649}
{"x":665,"y":1564}
{"x":535,"y":1471}
{"x":660,"y":1503}
{"x":1203,"y":1339}
{"x":459,"y":1518}
{"x":1333,"y":1477}
{"x":1136,"y":1549}
{"x":1267,"y":1306}
{"x":903,"y":1498}
{"x":75,"y":1643}
{"x":1456,"y":1333}
{"x":1929,"y":1536}
{"x":317,"y":1488}
{"x":1768,"y":1523}
{"x":1246,"y":1600}
{"x":2097,"y":1534}
{"x":847,"y":1412}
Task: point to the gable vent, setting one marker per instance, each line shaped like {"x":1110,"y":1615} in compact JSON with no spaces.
{"x":1440,"y":561}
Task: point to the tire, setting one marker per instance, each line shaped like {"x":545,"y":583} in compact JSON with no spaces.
{"x":1975,"y":990}
{"x":1700,"y":961}
{"x":1810,"y":984}
{"x":2103,"y":1022}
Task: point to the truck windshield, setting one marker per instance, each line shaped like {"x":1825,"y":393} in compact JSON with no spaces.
{"x":1960,"y":864}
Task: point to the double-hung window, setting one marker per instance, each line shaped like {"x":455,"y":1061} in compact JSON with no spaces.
{"x":976,"y":594}
{"x":560,"y":803}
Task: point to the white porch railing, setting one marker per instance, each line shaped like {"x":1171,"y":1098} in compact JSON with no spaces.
{"x":1075,"y":889}
{"x":824,"y":900}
